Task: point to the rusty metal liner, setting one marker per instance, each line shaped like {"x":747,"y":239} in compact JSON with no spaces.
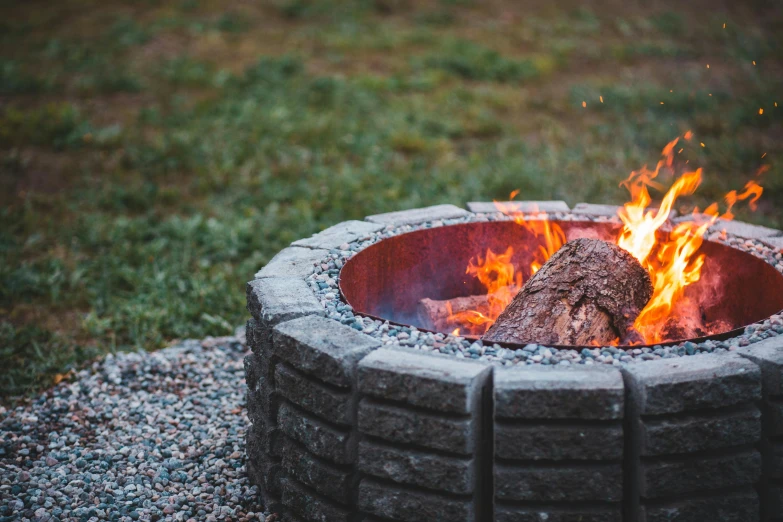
{"x":386,"y":280}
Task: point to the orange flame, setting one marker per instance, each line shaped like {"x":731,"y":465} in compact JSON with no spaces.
{"x":670,"y":258}
{"x":671,"y":261}
{"x":498,"y":274}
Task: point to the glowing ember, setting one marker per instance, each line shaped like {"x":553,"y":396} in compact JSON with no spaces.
{"x":670,"y":256}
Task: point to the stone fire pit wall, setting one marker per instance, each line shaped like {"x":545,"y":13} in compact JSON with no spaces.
{"x":345,"y":430}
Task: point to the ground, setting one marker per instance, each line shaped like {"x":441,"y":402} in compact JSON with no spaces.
{"x":155,"y":154}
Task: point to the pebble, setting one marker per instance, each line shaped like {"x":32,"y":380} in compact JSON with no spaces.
{"x":135,"y":436}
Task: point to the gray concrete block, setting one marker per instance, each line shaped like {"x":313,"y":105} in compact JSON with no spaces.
{"x":768,"y":355}
{"x":559,"y":483}
{"x":773,"y":465}
{"x":437,"y":383}
{"x":745,"y":230}
{"x":272,"y":301}
{"x":395,"y":424}
{"x":535,"y":441}
{"x":525,"y":207}
{"x":774,"y":242}
{"x":693,"y":383}
{"x":333,"y":405}
{"x":334,"y":236}
{"x":263,"y":441}
{"x":773,"y":413}
{"x":556,"y":514}
{"x":416,"y":468}
{"x":328,"y":480}
{"x":311,"y":506}
{"x":322,"y":347}
{"x":261,"y":403}
{"x":668,"y":436}
{"x":740,"y":506}
{"x":418,"y":215}
{"x":410,"y":505}
{"x":774,"y":500}
{"x":678,"y":476}
{"x":296,"y":262}
{"x":319,"y":438}
{"x":554,"y":393}
{"x":593,"y":209}
{"x":258,"y":476}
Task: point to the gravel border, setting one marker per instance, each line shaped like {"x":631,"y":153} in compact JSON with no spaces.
{"x":325,"y":278}
{"x":135,"y":436}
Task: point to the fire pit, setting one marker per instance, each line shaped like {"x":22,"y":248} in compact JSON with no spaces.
{"x":360,"y":412}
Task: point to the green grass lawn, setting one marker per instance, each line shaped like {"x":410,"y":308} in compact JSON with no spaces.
{"x":155,"y":154}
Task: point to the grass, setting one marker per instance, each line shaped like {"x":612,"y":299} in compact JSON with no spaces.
{"x":153,"y":156}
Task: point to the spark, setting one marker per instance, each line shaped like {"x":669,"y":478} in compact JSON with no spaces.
{"x":708,"y":66}
{"x":763,"y":155}
{"x":601,"y":98}
{"x":679,"y":151}
{"x":761,"y":111}
{"x":754,"y":62}
{"x":701,"y":143}
{"x":584,"y":104}
{"x":724,"y":26}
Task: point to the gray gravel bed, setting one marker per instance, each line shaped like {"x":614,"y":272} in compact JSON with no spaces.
{"x":136,"y":436}
{"x":325,"y":277}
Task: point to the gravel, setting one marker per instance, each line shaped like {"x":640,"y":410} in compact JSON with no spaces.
{"x":136,"y":436}
{"x":325,"y":277}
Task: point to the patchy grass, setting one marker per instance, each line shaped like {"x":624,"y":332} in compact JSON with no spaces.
{"x":154,"y":155}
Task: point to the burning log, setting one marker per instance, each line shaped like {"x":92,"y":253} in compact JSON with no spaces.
{"x":439,"y":315}
{"x":588,"y":293}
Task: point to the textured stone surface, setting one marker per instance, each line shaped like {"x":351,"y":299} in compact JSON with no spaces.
{"x":322,"y":347}
{"x":741,"y":506}
{"x":318,"y":437}
{"x":700,"y":432}
{"x":416,"y":468}
{"x":311,"y":506}
{"x":746,"y":230}
{"x":534,"y":441}
{"x":548,"y":483}
{"x":271,"y":301}
{"x":418,"y":215}
{"x":768,"y":355}
{"x":488,"y":207}
{"x":263,"y":438}
{"x":438,"y":383}
{"x":410,"y":505}
{"x":673,"y":477}
{"x":334,"y":405}
{"x":548,"y":514}
{"x":774,"y":242}
{"x":595,"y":209}
{"x":295,"y":262}
{"x":337,"y":235}
{"x":691,"y":383}
{"x":407,"y":426}
{"x":554,"y":393}
{"x":325,"y":478}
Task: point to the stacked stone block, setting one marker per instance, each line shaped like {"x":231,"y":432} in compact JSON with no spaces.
{"x":315,"y":382}
{"x":768,"y":355}
{"x":558,"y":444}
{"x":421,"y":453}
{"x":270,"y":300}
{"x":693,"y":430}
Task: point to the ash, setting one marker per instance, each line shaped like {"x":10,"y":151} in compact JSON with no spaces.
{"x":325,"y":278}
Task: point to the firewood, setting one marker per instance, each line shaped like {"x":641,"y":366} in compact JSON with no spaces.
{"x":588,"y":293}
{"x":434,"y":314}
